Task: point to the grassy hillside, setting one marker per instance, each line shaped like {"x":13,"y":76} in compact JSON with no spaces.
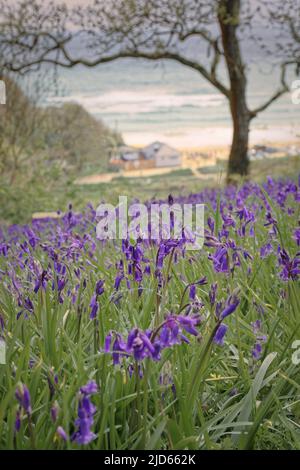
{"x":43,"y":149}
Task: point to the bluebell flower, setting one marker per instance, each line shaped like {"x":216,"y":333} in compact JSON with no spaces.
{"x":139,"y":345}
{"x":90,"y":388}
{"x":41,"y":282}
{"x":192,"y":294}
{"x":107,"y":342}
{"x":94,"y":304}
{"x":188,"y":323}
{"x":54,"y":411}
{"x":260,"y":339}
{"x":290,"y":266}
{"x":221,"y":260}
{"x":86,"y":410}
{"x":220,"y":334}
{"x":94,"y":307}
{"x":257,"y":350}
{"x":18,"y":420}
{"x":60,"y":432}
{"x":212,"y":293}
{"x":23,"y":396}
{"x":119,"y":348}
{"x":297,"y":236}
{"x":230,"y":308}
{"x":266,"y":250}
{"x":99,"y":289}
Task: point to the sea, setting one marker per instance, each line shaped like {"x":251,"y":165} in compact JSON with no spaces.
{"x":167,"y":101}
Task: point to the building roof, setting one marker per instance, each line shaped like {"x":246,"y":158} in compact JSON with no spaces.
{"x":154,"y":151}
{"x":127,"y":153}
{"x":157,"y":149}
{"x":166,"y":151}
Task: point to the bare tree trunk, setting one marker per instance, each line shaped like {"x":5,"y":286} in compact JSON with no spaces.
{"x":238,"y":158}
{"x":229,"y":19}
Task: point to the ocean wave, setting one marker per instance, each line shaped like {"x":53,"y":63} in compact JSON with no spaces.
{"x":137,"y":102}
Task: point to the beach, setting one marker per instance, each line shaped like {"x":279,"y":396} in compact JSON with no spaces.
{"x":195,"y":158}
{"x":173,"y":104}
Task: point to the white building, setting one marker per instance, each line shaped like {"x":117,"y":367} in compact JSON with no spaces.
{"x":162,"y":154}
{"x":155,"y":155}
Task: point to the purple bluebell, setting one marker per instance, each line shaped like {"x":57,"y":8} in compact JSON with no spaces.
{"x":228,"y":220}
{"x":94,"y":307}
{"x":62,"y":433}
{"x":212,"y":293}
{"x":2,"y":324}
{"x":54,"y":411}
{"x":272,"y":222}
{"x":220,"y":334}
{"x":211,"y":225}
{"x":41,"y":282}
{"x":230,"y":308}
{"x":189,"y":323}
{"x":86,"y":410}
{"x":90,"y":388}
{"x":139,"y":345}
{"x":94,"y":303}
{"x":257,"y":351}
{"x":107,"y":342}
{"x":296,"y":236}
{"x":266,"y":250}
{"x":18,"y":420}
{"x":99,"y":289}
{"x":290,"y":266}
{"x":192,"y":294}
{"x":119,"y":348}
{"x":23,"y":396}
{"x":221,"y":260}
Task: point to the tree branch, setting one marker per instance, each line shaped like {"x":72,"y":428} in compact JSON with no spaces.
{"x":70,"y":62}
{"x":284,"y":89}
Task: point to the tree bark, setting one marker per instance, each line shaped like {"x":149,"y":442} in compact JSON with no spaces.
{"x":229,"y":12}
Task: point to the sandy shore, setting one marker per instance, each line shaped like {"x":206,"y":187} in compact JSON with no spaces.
{"x":192,"y":158}
{"x":195,"y":157}
{"x":200,"y":137}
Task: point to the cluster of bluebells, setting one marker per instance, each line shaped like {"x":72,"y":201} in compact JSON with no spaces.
{"x":66,"y":242}
{"x":86,"y":411}
{"x":59,"y":260}
{"x":150,"y":343}
{"x":260,"y":339}
{"x":173,"y":330}
{"x":84,"y":422}
{"x":60,"y":255}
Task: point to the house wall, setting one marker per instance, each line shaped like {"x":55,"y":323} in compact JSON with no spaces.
{"x":132,"y":165}
{"x":138,"y":165}
{"x":167,"y":160}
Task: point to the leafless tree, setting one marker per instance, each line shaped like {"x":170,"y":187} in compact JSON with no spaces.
{"x":20,"y":120}
{"x":204,"y":35}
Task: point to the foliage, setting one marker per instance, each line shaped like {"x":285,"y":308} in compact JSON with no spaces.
{"x":70,"y":304}
{"x":64,"y":134}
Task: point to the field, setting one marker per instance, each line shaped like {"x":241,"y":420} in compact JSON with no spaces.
{"x":147,"y":345}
